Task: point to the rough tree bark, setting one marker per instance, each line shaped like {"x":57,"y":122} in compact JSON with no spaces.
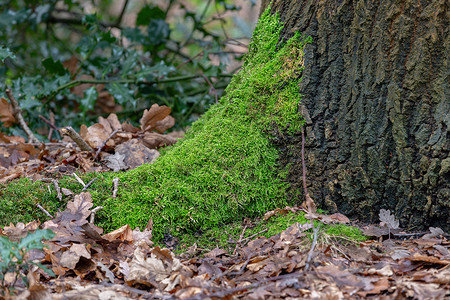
{"x":376,"y":101}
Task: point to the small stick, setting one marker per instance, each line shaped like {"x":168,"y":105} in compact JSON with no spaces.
{"x":70,"y":132}
{"x":49,"y":123}
{"x":58,"y":189}
{"x":311,"y":251}
{"x":246,"y":240}
{"x":17,"y":112}
{"x":52,"y":121}
{"x":44,"y":211}
{"x":212,"y":89}
{"x":93,"y":213}
{"x":34,"y":144}
{"x":104,"y":143}
{"x":88,"y":184}
{"x":79,"y":179}
{"x":116,"y":187}
{"x":240,"y":239}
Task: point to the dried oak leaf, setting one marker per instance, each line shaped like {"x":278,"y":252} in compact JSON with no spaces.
{"x":81,"y":205}
{"x":95,"y":135}
{"x":153,"y":115}
{"x":116,"y":162}
{"x":388,"y":219}
{"x":136,"y":154}
{"x":155,"y":140}
{"x":124,"y":233}
{"x":6,"y":115}
{"x":164,"y":124}
{"x":435,"y":232}
{"x":151,"y":270}
{"x":127,"y":127}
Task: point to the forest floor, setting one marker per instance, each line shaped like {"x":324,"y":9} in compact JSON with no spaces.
{"x":300,"y":262}
{"x":291,"y":253}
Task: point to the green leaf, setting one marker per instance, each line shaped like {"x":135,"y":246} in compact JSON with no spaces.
{"x":45,"y":268}
{"x":90,"y":96}
{"x":134,"y":35}
{"x":5,"y":53}
{"x":34,"y":240}
{"x":158,"y":31}
{"x":149,"y":13}
{"x":54,"y":67}
{"x":121,"y":93}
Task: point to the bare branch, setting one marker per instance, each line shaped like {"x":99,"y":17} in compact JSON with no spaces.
{"x":70,"y":132}
{"x":17,"y":112}
{"x":44,"y":211}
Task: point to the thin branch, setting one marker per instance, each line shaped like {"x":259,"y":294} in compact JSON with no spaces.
{"x":88,"y":184}
{"x":124,"y":8}
{"x":49,"y":123}
{"x":77,"y":21}
{"x":93,"y":212}
{"x":104,"y":143}
{"x":35,"y":144}
{"x":77,"y":82}
{"x":44,"y":211}
{"x":194,"y":27}
{"x":57,"y":188}
{"x":79,"y":179}
{"x":212,"y":90}
{"x":311,"y":251}
{"x":116,"y":187}
{"x":70,"y":132}
{"x":17,"y":112}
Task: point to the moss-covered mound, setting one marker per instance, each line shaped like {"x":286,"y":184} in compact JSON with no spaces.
{"x":226,"y":167}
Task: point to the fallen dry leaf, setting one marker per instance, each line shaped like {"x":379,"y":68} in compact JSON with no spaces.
{"x":6,"y":113}
{"x":153,"y":115}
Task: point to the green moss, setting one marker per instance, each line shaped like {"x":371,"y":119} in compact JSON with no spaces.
{"x":226,"y":167}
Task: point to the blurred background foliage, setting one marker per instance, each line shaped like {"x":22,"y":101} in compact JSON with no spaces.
{"x":72,"y":61}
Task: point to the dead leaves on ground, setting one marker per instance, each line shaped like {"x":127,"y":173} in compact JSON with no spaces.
{"x":123,"y":146}
{"x":125,"y":264}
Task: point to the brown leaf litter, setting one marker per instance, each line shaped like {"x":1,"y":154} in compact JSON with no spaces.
{"x":118,"y":146}
{"x":125,"y":264}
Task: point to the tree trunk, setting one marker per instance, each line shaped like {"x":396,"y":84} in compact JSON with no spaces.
{"x":376,"y":102}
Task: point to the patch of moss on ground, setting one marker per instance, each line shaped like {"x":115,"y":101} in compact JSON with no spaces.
{"x":19,"y":198}
{"x":226,"y":167}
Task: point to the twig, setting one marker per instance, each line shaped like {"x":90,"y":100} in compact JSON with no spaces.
{"x":48,"y":122}
{"x":52,"y":121}
{"x":79,"y":179}
{"x":77,"y":82}
{"x":70,"y":132}
{"x":57,"y":188}
{"x":104,"y":143}
{"x":44,"y":211}
{"x":311,"y":251}
{"x":17,"y":112}
{"x":252,"y":236}
{"x":116,"y":187}
{"x":212,"y":90}
{"x":238,"y":243}
{"x":119,"y":19}
{"x":93,"y":212}
{"x":303,"y":162}
{"x":88,"y":184}
{"x":35,"y":144}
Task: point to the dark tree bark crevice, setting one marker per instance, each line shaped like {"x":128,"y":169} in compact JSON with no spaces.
{"x":376,"y":92}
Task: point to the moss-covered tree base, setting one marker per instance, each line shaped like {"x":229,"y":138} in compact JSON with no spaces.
{"x":226,"y":167}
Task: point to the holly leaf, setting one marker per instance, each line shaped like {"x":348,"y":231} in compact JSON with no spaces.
{"x":54,"y":67}
{"x":5,"y":53}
